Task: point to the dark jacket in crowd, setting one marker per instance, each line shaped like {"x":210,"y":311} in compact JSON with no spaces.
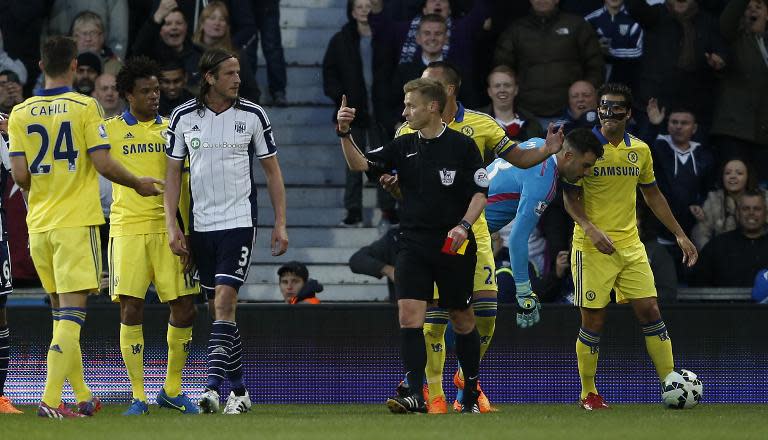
{"x":21,"y":23}
{"x":167,"y":105}
{"x":343,"y":74}
{"x":148,"y":43}
{"x":730,"y":260}
{"x":662,"y":75}
{"x":683,"y":184}
{"x":530,"y":128}
{"x":369,"y":260}
{"x":742,"y":104}
{"x":549,"y":54}
{"x":391,"y":35}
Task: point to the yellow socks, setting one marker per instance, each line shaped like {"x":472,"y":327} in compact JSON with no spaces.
{"x":76,"y":377}
{"x":178,"y":349}
{"x":132,"y":348}
{"x":587,"y":350}
{"x":434,"y":337}
{"x":659,"y":347}
{"x":485,"y":320}
{"x":63,"y":353}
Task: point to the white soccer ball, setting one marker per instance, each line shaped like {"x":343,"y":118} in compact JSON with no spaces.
{"x":675,"y":390}
{"x":696,"y":391}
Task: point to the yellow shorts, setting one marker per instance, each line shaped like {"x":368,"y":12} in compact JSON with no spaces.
{"x":485,"y":268}
{"x":67,"y":259}
{"x":137,"y":260}
{"x":626,"y":271}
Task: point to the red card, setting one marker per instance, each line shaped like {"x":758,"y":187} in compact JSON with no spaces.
{"x":447,"y":246}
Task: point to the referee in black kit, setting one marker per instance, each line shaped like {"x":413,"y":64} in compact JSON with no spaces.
{"x":443,"y":185}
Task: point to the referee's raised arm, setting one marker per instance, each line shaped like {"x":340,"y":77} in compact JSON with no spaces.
{"x":355,"y":158}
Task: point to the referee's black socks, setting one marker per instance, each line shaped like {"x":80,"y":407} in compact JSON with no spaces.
{"x":468,"y":353}
{"x":414,"y":354}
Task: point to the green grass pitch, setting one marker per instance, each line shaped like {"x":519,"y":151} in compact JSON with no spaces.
{"x":369,"y":422}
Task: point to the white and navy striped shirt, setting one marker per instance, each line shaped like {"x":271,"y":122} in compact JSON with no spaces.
{"x":221,"y":149}
{"x":4,"y":173}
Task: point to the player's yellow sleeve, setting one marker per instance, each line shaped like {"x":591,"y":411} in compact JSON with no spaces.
{"x":403,"y":129}
{"x":16,"y":137}
{"x":646,"y":167}
{"x":498,"y":141}
{"x":95,"y":129}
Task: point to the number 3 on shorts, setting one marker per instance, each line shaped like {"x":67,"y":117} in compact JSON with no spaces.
{"x":244,"y":256}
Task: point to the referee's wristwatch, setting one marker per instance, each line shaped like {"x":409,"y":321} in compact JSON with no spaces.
{"x":465,"y":224}
{"x":342,"y":134}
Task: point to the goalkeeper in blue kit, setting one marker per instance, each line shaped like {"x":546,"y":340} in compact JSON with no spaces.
{"x":522,"y":195}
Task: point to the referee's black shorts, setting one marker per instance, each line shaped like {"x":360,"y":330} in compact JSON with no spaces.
{"x":420,"y":264}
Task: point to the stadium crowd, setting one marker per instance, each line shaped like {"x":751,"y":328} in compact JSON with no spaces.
{"x":698,"y":70}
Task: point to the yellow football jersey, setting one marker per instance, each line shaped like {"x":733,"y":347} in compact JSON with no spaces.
{"x":610,"y":192}
{"x":140,"y":148}
{"x":55,"y":131}
{"x":489,"y":136}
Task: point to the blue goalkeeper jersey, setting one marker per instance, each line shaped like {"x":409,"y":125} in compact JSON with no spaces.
{"x":520,"y":195}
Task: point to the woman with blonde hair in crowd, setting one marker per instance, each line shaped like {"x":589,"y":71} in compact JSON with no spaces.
{"x":214,"y":31}
{"x":718,"y":212}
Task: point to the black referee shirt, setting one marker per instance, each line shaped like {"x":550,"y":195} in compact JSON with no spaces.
{"x":438,"y":177}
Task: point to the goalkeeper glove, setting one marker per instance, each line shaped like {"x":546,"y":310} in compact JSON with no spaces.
{"x":528,"y":307}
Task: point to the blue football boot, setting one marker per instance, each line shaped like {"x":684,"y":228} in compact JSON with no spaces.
{"x":137,"y":408}
{"x":180,"y":403}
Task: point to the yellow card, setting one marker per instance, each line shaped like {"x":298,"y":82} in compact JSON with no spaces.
{"x":462,"y":248}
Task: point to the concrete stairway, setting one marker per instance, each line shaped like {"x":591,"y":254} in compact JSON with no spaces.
{"x":313,"y":168}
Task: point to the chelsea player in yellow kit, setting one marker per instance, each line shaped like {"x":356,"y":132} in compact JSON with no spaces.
{"x":491,"y":139}
{"x":138,"y":243}
{"x":58,"y":143}
{"x":607,"y":252}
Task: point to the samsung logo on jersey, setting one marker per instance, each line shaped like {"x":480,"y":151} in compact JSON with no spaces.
{"x":143,"y":148}
{"x":615,"y":171}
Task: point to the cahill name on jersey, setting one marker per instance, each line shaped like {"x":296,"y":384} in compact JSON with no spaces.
{"x":55,"y":131}
{"x":610,"y":191}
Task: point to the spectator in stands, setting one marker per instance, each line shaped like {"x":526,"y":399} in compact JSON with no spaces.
{"x":621,"y":39}
{"x":113,"y":15}
{"x":266,"y":23}
{"x":213,"y":31}
{"x":11,"y":92}
{"x":400,"y":37}
{"x":14,"y":65}
{"x":353,"y":67}
{"x":296,"y":286}
{"x":519,"y":123}
{"x":733,"y":258}
{"x":684,"y":172}
{"x":549,"y":50}
{"x":88,"y":69}
{"x":582,"y":107}
{"x":431,"y":37}
{"x":22,"y":23}
{"x":173,"y":86}
{"x":88,"y":30}
{"x":168,"y":23}
{"x":378,"y":259}
{"x":683,"y":51}
{"x":105,"y":92}
{"x":718,"y":213}
{"x":740,"y":125}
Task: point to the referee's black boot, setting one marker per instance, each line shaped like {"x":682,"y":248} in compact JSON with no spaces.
{"x":409,"y":404}
{"x":469,"y":404}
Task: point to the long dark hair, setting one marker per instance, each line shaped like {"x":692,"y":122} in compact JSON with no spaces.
{"x":210,"y":62}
